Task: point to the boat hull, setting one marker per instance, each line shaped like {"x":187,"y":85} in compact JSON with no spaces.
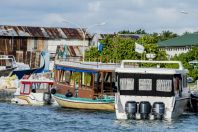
{"x":35,"y":99}
{"x":174,"y":107}
{"x":27,"y":100}
{"x":91,"y":105}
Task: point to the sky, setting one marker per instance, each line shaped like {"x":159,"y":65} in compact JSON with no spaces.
{"x":150,"y":15}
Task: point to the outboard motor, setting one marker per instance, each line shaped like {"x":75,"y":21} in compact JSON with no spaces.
{"x":47,"y":97}
{"x":131,"y":109}
{"x":158,"y":110}
{"x":144,"y":109}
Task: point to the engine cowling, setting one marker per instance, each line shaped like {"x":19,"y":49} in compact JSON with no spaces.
{"x":131,"y":109}
{"x":144,"y":109}
{"x":158,"y":110}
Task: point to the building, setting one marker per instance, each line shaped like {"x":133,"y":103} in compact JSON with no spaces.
{"x":178,"y":45}
{"x":26,"y":43}
{"x":97,"y":37}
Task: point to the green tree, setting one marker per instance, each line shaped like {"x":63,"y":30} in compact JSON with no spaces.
{"x":139,"y":31}
{"x":185,"y":58}
{"x":117,"y":48}
{"x":167,"y":35}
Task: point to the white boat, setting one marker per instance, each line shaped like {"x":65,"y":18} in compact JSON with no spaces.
{"x":34,"y":91}
{"x":151,"y":92}
{"x":7,"y":65}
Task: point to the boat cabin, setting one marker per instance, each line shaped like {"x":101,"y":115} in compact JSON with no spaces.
{"x":135,"y":79}
{"x":85,"y":79}
{"x":7,"y":61}
{"x":35,"y":86}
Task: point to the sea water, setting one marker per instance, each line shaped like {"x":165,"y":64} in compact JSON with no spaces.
{"x":15,"y":118}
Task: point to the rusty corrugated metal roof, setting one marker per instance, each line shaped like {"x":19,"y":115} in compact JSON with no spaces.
{"x":42,"y":32}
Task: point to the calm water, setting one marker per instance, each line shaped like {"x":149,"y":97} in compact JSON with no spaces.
{"x":14,"y":118}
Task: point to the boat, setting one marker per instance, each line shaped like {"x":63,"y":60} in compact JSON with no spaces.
{"x":24,"y":72}
{"x":35,"y":90}
{"x":193,"y":104}
{"x":85,"y":85}
{"x":7,"y":65}
{"x":149,"y":90}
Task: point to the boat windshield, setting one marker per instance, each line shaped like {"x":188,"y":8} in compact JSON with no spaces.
{"x":35,"y":87}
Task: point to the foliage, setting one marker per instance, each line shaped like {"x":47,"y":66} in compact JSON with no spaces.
{"x":166,"y":35}
{"x":185,"y":58}
{"x":139,"y":31}
{"x":117,"y":48}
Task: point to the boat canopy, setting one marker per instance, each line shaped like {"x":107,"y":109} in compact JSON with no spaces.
{"x":57,"y":67}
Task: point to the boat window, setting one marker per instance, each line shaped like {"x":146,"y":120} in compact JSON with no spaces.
{"x":145,"y":84}
{"x":67,"y":77}
{"x":164,"y":85}
{"x":126,"y":84}
{"x":87,"y":79}
{"x":5,"y":62}
{"x":25,"y":89}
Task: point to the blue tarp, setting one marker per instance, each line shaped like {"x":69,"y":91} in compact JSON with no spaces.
{"x":74,"y":69}
{"x":100,"y":47}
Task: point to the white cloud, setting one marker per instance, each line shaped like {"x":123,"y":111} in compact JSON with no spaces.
{"x":94,"y":6}
{"x":151,"y":15}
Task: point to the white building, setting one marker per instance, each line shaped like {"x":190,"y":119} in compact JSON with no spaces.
{"x":178,"y":45}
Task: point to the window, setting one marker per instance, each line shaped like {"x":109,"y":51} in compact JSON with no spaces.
{"x":164,"y":85}
{"x":25,"y":89}
{"x":35,"y":44}
{"x":145,"y":84}
{"x":126,"y":84}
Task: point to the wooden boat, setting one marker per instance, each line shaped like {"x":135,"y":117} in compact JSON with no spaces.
{"x":85,"y":103}
{"x":7,"y":65}
{"x":34,"y":91}
{"x":154,"y":92}
{"x":85,"y":85}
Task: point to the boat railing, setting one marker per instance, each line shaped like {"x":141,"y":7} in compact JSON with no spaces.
{"x":10,"y":58}
{"x":138,"y":63}
{"x":86,"y":64}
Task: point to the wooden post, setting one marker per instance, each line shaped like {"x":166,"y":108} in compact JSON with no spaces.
{"x":70,"y":77}
{"x":111,"y":89}
{"x":102,"y":82}
{"x":92,"y":80}
{"x":80,"y":83}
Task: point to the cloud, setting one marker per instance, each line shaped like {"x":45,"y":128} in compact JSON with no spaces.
{"x":151,"y":15}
